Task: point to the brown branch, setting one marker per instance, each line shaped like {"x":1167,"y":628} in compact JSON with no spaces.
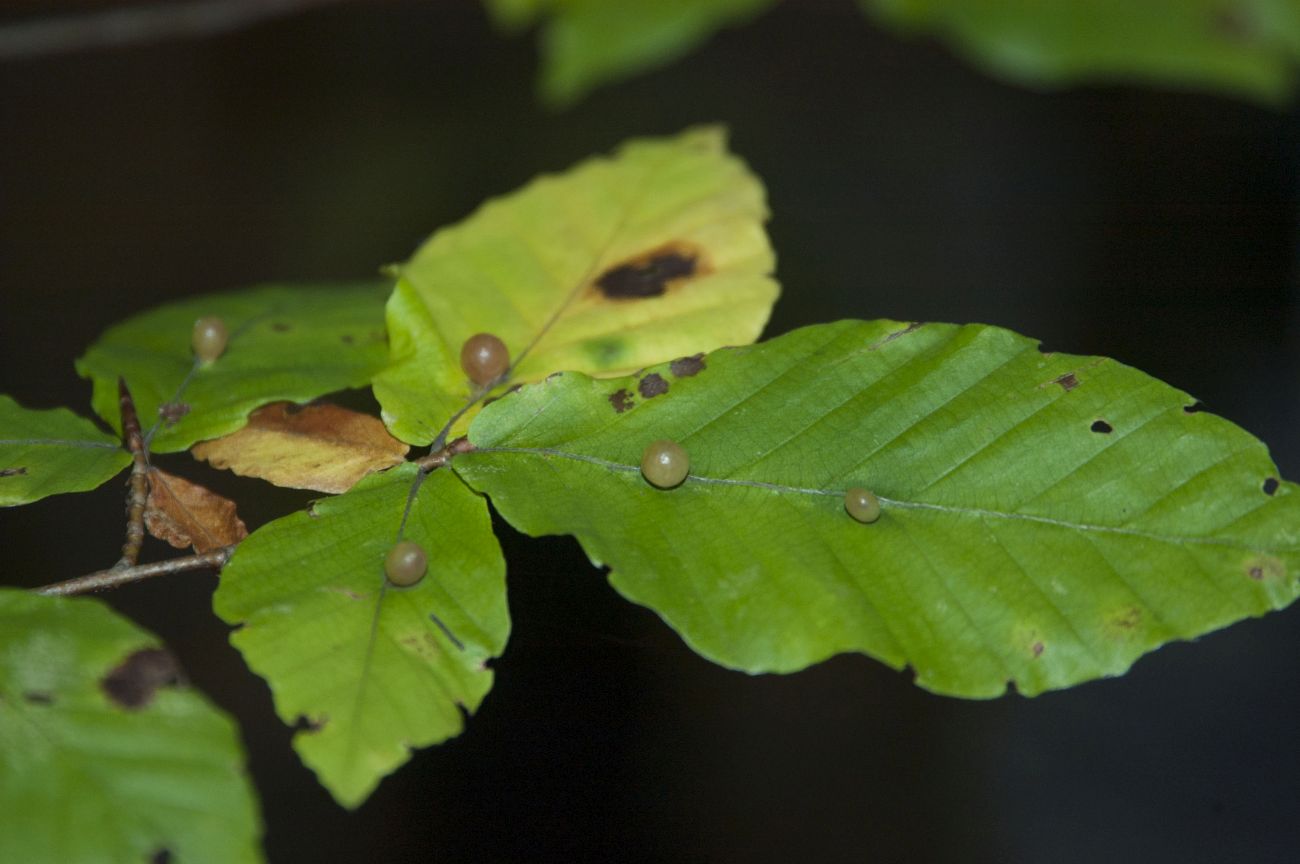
{"x":138,"y":494}
{"x":441,"y":456}
{"x":116,"y":576}
{"x":134,"y":25}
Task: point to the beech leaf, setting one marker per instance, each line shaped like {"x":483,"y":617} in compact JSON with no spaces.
{"x":619,"y":262}
{"x":105,"y":753}
{"x":1045,"y":518}
{"x":184,"y":513}
{"x":48,"y":452}
{"x":366,"y":667}
{"x":293,"y":342}
{"x":322,"y":447}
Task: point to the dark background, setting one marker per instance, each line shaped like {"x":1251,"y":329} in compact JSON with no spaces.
{"x":1155,"y":227}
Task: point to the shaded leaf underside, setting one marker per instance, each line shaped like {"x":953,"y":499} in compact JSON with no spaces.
{"x":1047,"y":518}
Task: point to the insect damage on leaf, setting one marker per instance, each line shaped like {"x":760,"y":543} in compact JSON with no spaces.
{"x":13,"y":472}
{"x":133,"y":683}
{"x":652,"y":273}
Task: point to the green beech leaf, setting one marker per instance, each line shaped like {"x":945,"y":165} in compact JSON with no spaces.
{"x":106,"y":756}
{"x":1249,"y":49}
{"x":1047,"y":519}
{"x":586,"y":43}
{"x":47,"y":452}
{"x":363,"y":662}
{"x":287,"y":342}
{"x":620,"y":262}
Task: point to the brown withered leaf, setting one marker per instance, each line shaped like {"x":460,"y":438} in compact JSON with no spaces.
{"x":186,"y":514}
{"x":321,"y":447}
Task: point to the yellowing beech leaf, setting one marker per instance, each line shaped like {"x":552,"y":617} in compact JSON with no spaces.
{"x":320,"y":447}
{"x":654,"y":253}
{"x":186,"y":514}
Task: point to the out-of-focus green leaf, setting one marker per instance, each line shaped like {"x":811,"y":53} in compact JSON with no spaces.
{"x":287,"y":342}
{"x":620,"y":262}
{"x":362,"y":662}
{"x":106,"y":756}
{"x":1247,"y":48}
{"x":47,"y":452}
{"x":586,"y":43}
{"x":1047,"y":518}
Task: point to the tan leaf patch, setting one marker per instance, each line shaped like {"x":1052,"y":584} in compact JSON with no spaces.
{"x":321,"y":447}
{"x":186,"y":514}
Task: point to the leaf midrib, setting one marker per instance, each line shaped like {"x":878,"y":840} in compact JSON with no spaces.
{"x":977,"y":512}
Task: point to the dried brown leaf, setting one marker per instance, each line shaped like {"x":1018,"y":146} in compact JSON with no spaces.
{"x":321,"y":447}
{"x":186,"y":514}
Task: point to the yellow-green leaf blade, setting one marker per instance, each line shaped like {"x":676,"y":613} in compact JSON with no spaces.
{"x":1247,"y":49}
{"x":48,"y":452}
{"x":364,"y":663}
{"x":287,"y":342}
{"x":530,"y":267}
{"x":1047,"y":518}
{"x":586,"y":43}
{"x":105,"y":758}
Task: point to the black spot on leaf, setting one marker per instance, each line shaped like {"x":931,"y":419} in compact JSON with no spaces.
{"x":162,"y":856}
{"x":1270,"y":485}
{"x":38,"y":697}
{"x":347,"y":339}
{"x":648,"y":275}
{"x":306,"y":724}
{"x":652,"y":385}
{"x":12,"y":472}
{"x":1068,"y":381}
{"x":685,"y":367}
{"x":1102,"y":427}
{"x":133,"y":683}
{"x":621,"y":400}
{"x":281,"y":326}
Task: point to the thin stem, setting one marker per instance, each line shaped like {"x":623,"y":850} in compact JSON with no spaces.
{"x":134,"y":25}
{"x":112,"y":578}
{"x":138,"y":494}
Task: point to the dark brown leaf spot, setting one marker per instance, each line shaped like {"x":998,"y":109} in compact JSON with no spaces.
{"x":1270,"y":486}
{"x":132,"y":684}
{"x":162,"y":856}
{"x":1068,"y":381}
{"x":1265,"y":568}
{"x":1102,"y":427}
{"x":281,"y":326}
{"x":12,"y":472}
{"x":652,"y":385}
{"x":685,"y":367}
{"x":621,"y":400}
{"x":39,"y":697}
{"x":650,"y":274}
{"x":173,"y":411}
{"x":306,"y":724}
{"x":1128,"y":619}
{"x":347,"y":339}
{"x":1194,"y":408}
{"x":1037,"y":648}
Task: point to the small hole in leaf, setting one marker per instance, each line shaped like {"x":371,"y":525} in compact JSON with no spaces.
{"x":1102,"y":427}
{"x":1270,"y":485}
